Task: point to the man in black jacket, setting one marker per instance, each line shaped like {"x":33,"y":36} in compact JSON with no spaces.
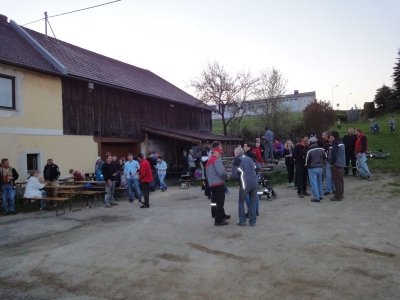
{"x":299,"y":154}
{"x":349,"y":141}
{"x":51,"y":171}
{"x":8,"y":177}
{"x":109,"y":176}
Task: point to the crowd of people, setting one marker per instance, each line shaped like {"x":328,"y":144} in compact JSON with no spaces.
{"x":310,"y":158}
{"x":318,"y":162}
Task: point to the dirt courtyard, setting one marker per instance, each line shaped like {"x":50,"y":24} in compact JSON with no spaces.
{"x":298,"y":250}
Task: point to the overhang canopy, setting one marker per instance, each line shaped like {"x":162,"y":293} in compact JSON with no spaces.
{"x":195,"y":137}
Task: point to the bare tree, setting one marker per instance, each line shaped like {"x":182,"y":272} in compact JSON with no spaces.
{"x":271,"y":88}
{"x":227,"y":93}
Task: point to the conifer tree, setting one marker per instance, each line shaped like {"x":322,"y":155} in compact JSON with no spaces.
{"x":396,"y":83}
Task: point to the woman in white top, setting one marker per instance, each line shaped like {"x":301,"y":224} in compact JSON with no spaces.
{"x":34,"y":189}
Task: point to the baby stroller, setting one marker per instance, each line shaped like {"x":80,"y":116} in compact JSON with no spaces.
{"x":265,"y":187}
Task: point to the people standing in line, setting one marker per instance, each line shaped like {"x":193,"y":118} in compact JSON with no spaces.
{"x":299,"y":154}
{"x":289,"y":161}
{"x":145,"y":176}
{"x":392,"y":124}
{"x":216,"y":175}
{"x":109,"y":176}
{"x":243,"y":169}
{"x":360,"y":149}
{"x":162,"y":172}
{"x":315,"y":160}
{"x":349,"y":141}
{"x":338,"y":162}
{"x":329,"y":185}
{"x":191,"y":162}
{"x":131,"y":171}
{"x":8,"y":177}
{"x":34,"y":189}
{"x":269,"y":145}
{"x":97,"y":169}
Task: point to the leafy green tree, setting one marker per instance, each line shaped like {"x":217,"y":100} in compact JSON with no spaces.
{"x":318,"y":117}
{"x":383,"y":98}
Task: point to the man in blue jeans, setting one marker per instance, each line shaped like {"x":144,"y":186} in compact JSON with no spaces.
{"x":315,"y":160}
{"x":131,"y":169}
{"x":8,"y":177}
{"x":244,"y":170}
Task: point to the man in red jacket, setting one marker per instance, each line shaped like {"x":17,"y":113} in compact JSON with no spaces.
{"x":145,"y":177}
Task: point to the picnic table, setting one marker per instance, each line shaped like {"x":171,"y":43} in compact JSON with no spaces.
{"x":64,"y":190}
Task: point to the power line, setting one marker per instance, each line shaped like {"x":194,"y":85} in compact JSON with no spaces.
{"x":70,"y":12}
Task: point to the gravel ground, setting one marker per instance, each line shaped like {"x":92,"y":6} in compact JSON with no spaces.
{"x":298,"y":250}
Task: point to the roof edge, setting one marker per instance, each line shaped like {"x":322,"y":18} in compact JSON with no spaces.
{"x":60,"y":67}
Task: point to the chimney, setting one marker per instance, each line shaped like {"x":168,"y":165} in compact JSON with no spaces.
{"x":3,"y":19}
{"x":296,"y":92}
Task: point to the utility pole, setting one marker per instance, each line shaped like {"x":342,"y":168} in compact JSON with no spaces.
{"x":45,"y":22}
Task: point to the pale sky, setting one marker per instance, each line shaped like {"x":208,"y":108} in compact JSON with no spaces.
{"x":317,"y":44}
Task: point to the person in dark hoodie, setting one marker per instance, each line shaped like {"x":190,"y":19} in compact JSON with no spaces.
{"x":299,"y":154}
{"x":337,"y":160}
{"x":244,"y":170}
{"x":315,"y":160}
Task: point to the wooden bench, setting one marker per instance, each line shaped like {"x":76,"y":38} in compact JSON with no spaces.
{"x":57,"y":200}
{"x":86,"y":195}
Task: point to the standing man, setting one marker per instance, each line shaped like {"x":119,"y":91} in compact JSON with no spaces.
{"x":108,"y":174}
{"x":349,"y":141}
{"x":299,"y":154}
{"x":329,"y":186}
{"x":269,"y":145}
{"x":131,"y":171}
{"x":146,"y":177}
{"x":162,"y":172}
{"x":216,"y":175}
{"x":361,"y":148}
{"x":315,"y":160}
{"x":337,"y":160}
{"x":244,"y":169}
{"x":51,"y":171}
{"x":8,"y":177}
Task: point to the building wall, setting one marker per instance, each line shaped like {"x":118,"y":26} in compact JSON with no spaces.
{"x":68,"y":152}
{"x":294,"y":102}
{"x":36,"y":126}
{"x":38,"y":103}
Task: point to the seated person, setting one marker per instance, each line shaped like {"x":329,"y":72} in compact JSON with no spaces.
{"x":34,"y":188}
{"x":77,"y":175}
{"x":278,"y":149}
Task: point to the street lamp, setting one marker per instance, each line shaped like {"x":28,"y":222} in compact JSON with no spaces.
{"x":332,"y":93}
{"x":347,"y":102}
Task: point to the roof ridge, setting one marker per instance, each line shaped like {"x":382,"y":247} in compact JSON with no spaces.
{"x":84,"y":49}
{"x":50,"y":58}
